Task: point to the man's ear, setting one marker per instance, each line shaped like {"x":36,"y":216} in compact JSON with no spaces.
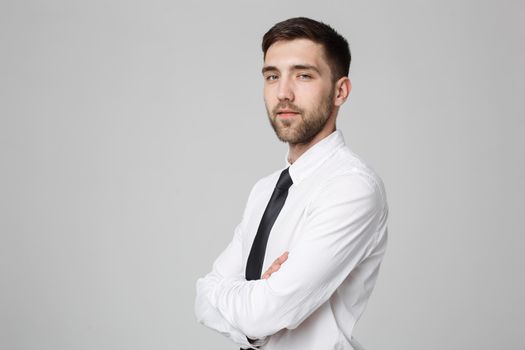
{"x":342,"y":90}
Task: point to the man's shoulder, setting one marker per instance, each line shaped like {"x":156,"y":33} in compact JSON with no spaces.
{"x":345,"y":180}
{"x":348,"y":167}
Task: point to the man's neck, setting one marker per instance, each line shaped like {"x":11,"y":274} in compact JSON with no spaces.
{"x":298,"y":149}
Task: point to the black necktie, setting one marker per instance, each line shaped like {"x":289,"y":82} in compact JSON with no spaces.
{"x":256,"y":257}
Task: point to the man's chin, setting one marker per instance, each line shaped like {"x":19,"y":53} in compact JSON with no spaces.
{"x":285,"y":135}
{"x":284,"y":122}
{"x":284,"y":129}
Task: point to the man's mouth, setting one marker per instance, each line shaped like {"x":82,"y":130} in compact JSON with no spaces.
{"x":286,"y":113}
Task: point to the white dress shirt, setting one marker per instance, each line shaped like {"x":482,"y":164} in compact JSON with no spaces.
{"x":333,"y":224}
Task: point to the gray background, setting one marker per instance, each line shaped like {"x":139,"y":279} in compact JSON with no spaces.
{"x":132,"y":131}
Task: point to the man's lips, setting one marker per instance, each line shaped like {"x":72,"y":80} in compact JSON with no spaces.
{"x":287,"y":113}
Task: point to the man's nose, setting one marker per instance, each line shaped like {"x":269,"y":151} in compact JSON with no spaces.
{"x":285,"y":90}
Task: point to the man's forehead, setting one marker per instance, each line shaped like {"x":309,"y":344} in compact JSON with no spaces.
{"x":294,"y":52}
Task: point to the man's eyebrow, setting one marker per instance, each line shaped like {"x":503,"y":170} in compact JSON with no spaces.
{"x":268,"y":68}
{"x":294,"y":67}
{"x":306,"y":67}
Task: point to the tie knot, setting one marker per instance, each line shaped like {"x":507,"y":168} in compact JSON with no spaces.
{"x":285,"y":181}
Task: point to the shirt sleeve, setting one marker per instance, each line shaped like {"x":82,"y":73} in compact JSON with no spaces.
{"x":227,"y":265}
{"x":339,"y":232}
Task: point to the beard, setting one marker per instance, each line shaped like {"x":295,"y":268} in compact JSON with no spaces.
{"x":301,"y":130}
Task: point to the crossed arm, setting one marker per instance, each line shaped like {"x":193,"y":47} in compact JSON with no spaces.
{"x":228,"y":330}
{"x":339,"y":233}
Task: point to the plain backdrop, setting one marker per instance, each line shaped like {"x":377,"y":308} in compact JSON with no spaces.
{"x":132,"y":131}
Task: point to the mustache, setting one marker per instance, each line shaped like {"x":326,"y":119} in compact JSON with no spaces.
{"x":287,"y":106}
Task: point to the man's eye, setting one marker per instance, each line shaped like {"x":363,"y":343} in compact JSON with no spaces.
{"x":304,"y":76}
{"x":271,"y":77}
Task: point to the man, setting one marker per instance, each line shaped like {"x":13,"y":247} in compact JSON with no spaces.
{"x":317,"y":228}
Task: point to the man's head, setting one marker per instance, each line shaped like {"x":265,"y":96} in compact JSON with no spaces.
{"x":336,"y":49}
{"x":305,"y":69}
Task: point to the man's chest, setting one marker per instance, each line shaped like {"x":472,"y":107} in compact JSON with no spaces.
{"x":287,"y":228}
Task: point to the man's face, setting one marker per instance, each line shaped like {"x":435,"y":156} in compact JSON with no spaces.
{"x":298,"y":89}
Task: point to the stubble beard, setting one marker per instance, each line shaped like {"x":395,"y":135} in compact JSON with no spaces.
{"x":304,"y":130}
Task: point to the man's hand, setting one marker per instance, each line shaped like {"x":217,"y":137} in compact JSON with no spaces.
{"x":275,"y":266}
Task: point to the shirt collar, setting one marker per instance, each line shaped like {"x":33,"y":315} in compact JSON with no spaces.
{"x":314,"y":157}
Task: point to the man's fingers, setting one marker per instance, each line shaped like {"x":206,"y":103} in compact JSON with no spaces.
{"x":271,"y":270}
{"x":282,"y":258}
{"x":276,"y":265}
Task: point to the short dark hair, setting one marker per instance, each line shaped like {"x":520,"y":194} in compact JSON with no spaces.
{"x":335,"y":46}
